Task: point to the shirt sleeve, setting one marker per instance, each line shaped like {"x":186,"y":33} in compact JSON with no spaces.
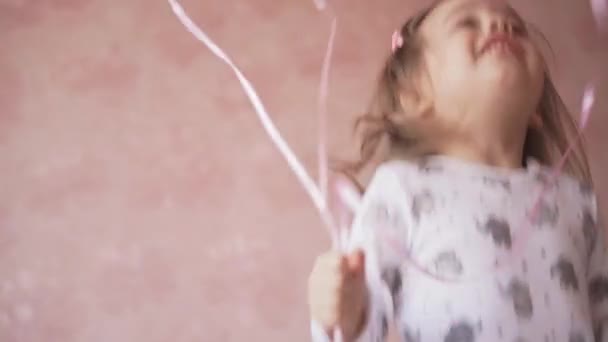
{"x":379,"y":230}
{"x":598,"y":272}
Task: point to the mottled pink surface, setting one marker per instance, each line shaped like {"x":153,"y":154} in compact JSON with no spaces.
{"x":141,"y":201}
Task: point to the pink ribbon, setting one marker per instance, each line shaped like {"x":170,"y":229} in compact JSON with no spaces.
{"x":317,"y":194}
{"x":519,"y":240}
{"x":600,"y":13}
{"x":348,"y":197}
{"x":586,"y":107}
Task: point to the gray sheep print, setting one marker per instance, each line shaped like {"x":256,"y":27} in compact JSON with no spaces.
{"x":458,"y":220}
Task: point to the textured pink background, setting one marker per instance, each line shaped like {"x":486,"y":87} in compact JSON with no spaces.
{"x":139,"y":198}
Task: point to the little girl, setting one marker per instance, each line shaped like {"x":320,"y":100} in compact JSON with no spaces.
{"x":465,"y":235}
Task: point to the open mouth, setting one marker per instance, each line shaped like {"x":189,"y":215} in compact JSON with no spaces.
{"x":501,"y":43}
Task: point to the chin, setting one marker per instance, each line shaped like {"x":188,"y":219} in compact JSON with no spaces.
{"x":508,"y":91}
{"x":507,"y":79}
{"x":517,"y":101}
{"x":505,"y":72}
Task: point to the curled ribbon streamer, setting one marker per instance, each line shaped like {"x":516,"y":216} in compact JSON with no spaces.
{"x":588,"y":100}
{"x":307,"y":182}
{"x":600,"y":13}
{"x":341,"y":237}
{"x":341,"y":231}
{"x":322,"y":110}
{"x":347,"y":195}
{"x":586,"y":106}
{"x":320,"y":4}
{"x":317,"y":194}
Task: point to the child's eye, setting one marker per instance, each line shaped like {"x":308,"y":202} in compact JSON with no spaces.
{"x":519,"y":29}
{"x":468,"y":22}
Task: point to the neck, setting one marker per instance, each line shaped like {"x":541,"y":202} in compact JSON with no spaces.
{"x":497,"y":149}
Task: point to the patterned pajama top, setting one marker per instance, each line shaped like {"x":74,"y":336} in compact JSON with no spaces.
{"x":455,"y":252}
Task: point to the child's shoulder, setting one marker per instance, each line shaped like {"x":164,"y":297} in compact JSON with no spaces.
{"x":565,"y":180}
{"x":426,"y":167}
{"x":396,"y":174}
{"x":396,"y":169}
{"x":571,"y":187}
{"x":409,"y":173}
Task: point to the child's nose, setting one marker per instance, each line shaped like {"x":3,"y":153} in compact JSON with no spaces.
{"x":499,"y":24}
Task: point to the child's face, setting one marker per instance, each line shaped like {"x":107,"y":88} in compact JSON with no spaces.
{"x":482,"y":66}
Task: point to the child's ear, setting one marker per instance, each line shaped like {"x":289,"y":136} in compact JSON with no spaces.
{"x":417,"y":101}
{"x":536,"y":121}
{"x":416,"y":105}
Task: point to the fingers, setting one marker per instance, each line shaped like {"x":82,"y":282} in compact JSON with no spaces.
{"x":330,"y":262}
{"x":325,"y":286}
{"x":356,"y":262}
{"x":339,"y":264}
{"x":335,"y":287}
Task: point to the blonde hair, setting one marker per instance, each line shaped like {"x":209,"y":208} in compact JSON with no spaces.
{"x":378,"y":124}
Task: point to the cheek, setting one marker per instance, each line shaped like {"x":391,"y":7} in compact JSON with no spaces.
{"x":534,"y":59}
{"x":451,"y":67}
{"x":536,"y":68}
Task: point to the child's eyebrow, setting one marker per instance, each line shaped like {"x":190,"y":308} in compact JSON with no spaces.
{"x":506,"y":9}
{"x":512,"y":13}
{"x":457,"y":10}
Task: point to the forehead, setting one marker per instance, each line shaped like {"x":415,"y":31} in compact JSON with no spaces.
{"x":447,"y":8}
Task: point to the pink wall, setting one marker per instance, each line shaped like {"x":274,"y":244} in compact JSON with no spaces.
{"x":141,"y":201}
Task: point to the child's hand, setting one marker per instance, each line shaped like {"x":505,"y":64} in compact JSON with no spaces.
{"x":337,"y":292}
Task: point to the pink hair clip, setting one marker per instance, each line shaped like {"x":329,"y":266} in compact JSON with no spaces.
{"x":397,"y":40}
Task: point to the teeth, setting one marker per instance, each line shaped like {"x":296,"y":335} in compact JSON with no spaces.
{"x":498,"y":47}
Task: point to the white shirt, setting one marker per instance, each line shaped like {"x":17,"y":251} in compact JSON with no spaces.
{"x":454,"y":253}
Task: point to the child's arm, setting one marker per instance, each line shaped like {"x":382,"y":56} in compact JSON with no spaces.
{"x":383,"y":200}
{"x":598,"y":274}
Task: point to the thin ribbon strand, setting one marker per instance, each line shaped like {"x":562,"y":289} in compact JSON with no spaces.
{"x":599,"y":9}
{"x":340,"y":239}
{"x":322,"y":110}
{"x":586,"y":107}
{"x":519,"y":240}
{"x":294,"y":164}
{"x":318,"y":194}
